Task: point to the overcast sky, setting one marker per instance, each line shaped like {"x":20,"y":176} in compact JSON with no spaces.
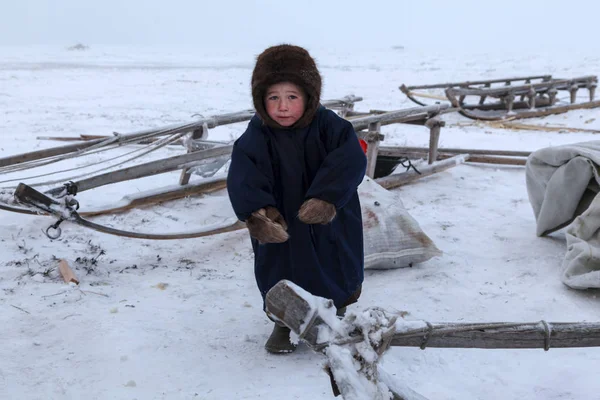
{"x":470,"y":24}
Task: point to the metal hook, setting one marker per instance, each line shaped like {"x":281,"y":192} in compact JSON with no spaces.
{"x":54,"y":228}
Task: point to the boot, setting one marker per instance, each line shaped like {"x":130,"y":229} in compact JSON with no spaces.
{"x":279,"y":341}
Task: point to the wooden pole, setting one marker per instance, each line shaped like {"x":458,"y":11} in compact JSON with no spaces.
{"x":501,"y":335}
{"x":393,"y":151}
{"x":489,"y":159}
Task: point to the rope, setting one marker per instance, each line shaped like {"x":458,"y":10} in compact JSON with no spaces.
{"x":547,"y":335}
{"x":99,"y":147}
{"x":427,"y":336}
{"x":155,"y":146}
{"x":84,"y":166}
{"x":404,"y":160}
{"x":50,"y":160}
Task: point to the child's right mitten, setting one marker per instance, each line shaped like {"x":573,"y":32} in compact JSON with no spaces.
{"x":267,"y":226}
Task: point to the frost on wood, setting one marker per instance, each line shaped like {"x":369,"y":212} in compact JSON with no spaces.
{"x":354,"y":365}
{"x":353,"y":345}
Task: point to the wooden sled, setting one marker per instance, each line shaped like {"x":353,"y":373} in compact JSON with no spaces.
{"x":517,"y":98}
{"x":409,"y":91}
{"x":541,"y":99}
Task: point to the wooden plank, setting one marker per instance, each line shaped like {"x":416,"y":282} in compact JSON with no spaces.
{"x":395,"y":180}
{"x":149,"y":169}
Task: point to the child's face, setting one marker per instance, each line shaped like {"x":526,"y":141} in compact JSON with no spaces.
{"x":285,"y":103}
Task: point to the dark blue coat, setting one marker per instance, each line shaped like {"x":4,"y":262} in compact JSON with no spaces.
{"x":285,"y":167}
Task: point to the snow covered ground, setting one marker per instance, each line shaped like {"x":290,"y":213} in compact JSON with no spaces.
{"x":183,"y":319}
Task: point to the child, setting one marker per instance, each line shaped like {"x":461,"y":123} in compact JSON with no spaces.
{"x":293,"y":179}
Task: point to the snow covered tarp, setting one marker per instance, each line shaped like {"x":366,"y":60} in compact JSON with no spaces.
{"x":563,"y":186}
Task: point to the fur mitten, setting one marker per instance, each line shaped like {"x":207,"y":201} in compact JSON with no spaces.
{"x":316,"y":211}
{"x":267,"y":226}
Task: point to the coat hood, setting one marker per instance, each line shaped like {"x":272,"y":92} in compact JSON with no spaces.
{"x":286,"y":63}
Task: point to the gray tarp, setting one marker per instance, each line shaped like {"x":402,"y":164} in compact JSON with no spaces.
{"x":562,"y":184}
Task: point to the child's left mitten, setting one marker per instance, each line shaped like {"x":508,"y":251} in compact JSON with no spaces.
{"x":316,"y":211}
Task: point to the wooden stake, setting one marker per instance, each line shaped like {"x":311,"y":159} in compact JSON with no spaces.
{"x":434,"y":125}
{"x":66,"y":272}
{"x":372,"y":139}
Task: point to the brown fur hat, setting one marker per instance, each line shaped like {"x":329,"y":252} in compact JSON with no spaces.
{"x":286,"y":63}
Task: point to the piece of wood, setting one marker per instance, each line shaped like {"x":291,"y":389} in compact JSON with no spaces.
{"x":66,"y":272}
{"x":488,"y":159}
{"x":372,"y":148}
{"x":395,"y":180}
{"x":285,"y":304}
